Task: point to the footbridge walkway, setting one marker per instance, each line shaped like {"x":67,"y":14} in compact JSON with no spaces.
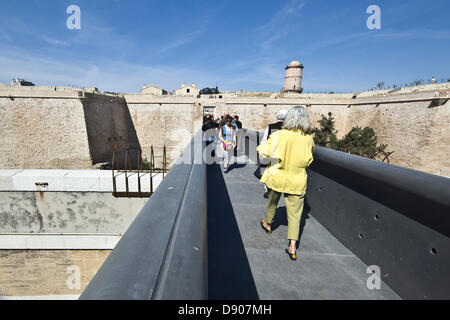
{"x":199,"y":236}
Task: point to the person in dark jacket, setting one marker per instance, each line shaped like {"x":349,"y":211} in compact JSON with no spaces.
{"x":208,"y":128}
{"x":273,"y":127}
{"x":237,"y":122}
{"x":209,"y":123}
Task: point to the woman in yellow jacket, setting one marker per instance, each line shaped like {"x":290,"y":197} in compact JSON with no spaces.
{"x":292,"y":151}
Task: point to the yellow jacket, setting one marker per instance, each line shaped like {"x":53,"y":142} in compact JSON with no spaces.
{"x":293,"y":150}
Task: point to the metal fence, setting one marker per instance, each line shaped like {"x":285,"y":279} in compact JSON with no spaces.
{"x":139,"y":172}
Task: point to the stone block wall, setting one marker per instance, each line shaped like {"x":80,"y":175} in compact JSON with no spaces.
{"x":43,"y":133}
{"x":418,"y":134}
{"x":169,"y":124}
{"x":28,"y":273}
{"x":59,"y":132}
{"x":79,"y":132}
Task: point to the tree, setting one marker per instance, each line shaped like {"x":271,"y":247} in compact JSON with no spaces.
{"x":380,"y":85}
{"x":22,"y":82}
{"x":359,"y":141}
{"x":325,"y":135}
{"x":362,"y":142}
{"x":210,"y":90}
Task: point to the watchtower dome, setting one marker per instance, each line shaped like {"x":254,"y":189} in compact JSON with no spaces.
{"x":293,"y":77}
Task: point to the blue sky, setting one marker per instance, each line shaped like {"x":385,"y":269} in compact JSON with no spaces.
{"x":236,"y":45}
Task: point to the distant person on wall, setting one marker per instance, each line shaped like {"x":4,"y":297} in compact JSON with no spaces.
{"x":271,"y":128}
{"x":227,"y":135}
{"x":293,"y":149}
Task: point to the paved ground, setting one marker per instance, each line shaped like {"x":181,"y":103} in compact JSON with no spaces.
{"x":246,"y":263}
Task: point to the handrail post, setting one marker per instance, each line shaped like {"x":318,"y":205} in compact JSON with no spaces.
{"x":113,"y":166}
{"x":138,"y":174}
{"x":151,"y":179}
{"x":152,"y":158}
{"x":126,"y":173}
{"x":164,"y":160}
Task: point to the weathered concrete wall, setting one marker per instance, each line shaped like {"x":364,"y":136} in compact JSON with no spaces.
{"x":45,"y":272}
{"x":44,"y":233}
{"x":66,"y":212}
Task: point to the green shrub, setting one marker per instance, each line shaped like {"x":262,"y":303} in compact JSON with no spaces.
{"x":359,"y":141}
{"x":146,"y":164}
{"x":325,"y":135}
{"x":362,"y":142}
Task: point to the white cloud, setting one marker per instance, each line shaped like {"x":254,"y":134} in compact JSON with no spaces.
{"x":111,"y":75}
{"x":282,"y":23}
{"x":278,"y":21}
{"x":179,"y":41}
{"x":415,"y":34}
{"x":55,"y":42}
{"x":5,"y":36}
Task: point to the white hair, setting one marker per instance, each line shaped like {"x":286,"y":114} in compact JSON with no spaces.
{"x":281,"y":115}
{"x":297,"y":118}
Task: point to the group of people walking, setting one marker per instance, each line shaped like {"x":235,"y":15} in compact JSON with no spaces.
{"x":227,"y":128}
{"x":289,"y":147}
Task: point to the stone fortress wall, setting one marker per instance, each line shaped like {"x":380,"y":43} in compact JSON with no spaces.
{"x":44,"y":128}
{"x":416,"y":131}
{"x":65,"y":128}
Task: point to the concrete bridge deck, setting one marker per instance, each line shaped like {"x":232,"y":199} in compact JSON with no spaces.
{"x":246,"y":263}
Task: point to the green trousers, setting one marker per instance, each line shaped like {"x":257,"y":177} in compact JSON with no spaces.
{"x":294,"y":209}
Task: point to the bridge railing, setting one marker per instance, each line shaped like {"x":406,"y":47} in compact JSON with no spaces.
{"x":393,"y":218}
{"x":163,"y":254}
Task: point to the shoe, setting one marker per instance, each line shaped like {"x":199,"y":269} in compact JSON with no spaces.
{"x":225,"y":170}
{"x":262,"y":225}
{"x":266,"y":195}
{"x":293,"y":256}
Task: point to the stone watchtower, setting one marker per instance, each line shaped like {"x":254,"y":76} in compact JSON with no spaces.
{"x":293,"y":77}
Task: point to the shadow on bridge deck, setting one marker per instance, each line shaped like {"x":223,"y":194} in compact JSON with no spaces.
{"x":246,"y":263}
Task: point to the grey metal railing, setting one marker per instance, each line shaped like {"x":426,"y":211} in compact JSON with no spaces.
{"x":389,"y":216}
{"x":392,"y":217}
{"x":163,"y":254}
